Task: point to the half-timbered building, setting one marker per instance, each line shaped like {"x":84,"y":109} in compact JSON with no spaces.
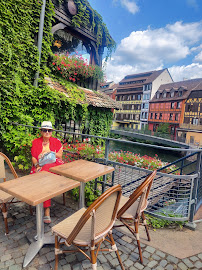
{"x":190,"y":131}
{"x":168,"y":104}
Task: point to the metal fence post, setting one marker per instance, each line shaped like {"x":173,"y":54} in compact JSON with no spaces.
{"x":193,"y":201}
{"x":106,"y":160}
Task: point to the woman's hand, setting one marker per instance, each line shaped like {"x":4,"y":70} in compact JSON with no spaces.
{"x":38,"y":169}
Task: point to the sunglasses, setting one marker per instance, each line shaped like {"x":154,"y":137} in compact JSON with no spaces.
{"x":45,"y":130}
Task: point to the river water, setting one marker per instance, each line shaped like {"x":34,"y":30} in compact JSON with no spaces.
{"x":164,"y":155}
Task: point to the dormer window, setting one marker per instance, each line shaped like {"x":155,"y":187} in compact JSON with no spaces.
{"x":179,"y":93}
{"x":172,"y":94}
{"x":158,"y":95}
{"x":164,"y":94}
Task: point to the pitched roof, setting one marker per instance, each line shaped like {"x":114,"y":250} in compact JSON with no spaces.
{"x":187,"y":86}
{"x":146,"y":77}
{"x":96,"y":99}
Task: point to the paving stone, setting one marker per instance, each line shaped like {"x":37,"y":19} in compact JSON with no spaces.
{"x":66,"y":267}
{"x":114,"y":262}
{"x":50,"y":256}
{"x":163,"y":263}
{"x":127,"y":239}
{"x":194,"y":258}
{"x":188,"y":262}
{"x":102,"y":258}
{"x":137,"y":265}
{"x":77,"y":267}
{"x":172,"y":259}
{"x":152,"y":264}
{"x":6,"y":257}
{"x":169,"y":267}
{"x":156,"y":257}
{"x":124,"y":257}
{"x":159,"y":268}
{"x":106,"y":266}
{"x":70,"y":258}
{"x":9,"y":263}
{"x":150,"y":249}
{"x":198,"y":265}
{"x":146,"y":254}
{"x":200,"y":256}
{"x":182,"y":266}
{"x":128,"y":263}
{"x":15,"y":267}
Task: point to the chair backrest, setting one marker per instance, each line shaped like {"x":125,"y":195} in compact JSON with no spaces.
{"x":3,"y":159}
{"x":140,"y":193}
{"x":99,"y":218}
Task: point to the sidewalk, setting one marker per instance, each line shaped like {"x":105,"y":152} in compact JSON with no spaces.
{"x":168,"y":249}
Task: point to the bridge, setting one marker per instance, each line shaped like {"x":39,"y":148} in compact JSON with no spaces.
{"x":146,"y":137}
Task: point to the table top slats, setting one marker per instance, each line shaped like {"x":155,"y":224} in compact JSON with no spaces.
{"x":39,"y":187}
{"x":82,"y":170}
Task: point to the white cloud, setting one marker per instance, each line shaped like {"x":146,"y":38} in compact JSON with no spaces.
{"x":191,"y":71}
{"x":198,"y":57}
{"x":130,"y":5}
{"x":155,"y":48}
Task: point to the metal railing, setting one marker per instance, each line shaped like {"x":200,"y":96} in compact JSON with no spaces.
{"x":173,"y":197}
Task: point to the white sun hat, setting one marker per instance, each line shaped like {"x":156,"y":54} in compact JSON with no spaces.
{"x":46,"y":124}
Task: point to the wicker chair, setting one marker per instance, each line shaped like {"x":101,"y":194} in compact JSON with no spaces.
{"x":5,"y":198}
{"x":88,"y":228}
{"x":132,"y":209}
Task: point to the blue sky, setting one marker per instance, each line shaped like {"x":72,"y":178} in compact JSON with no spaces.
{"x":153,"y":34}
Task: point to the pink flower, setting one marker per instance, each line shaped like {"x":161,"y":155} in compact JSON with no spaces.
{"x":53,"y":63}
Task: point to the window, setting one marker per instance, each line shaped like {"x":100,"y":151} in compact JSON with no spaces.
{"x":157,"y":95}
{"x":155,"y":115}
{"x":178,"y":105}
{"x":172,"y":130}
{"x":171,"y":116}
{"x":195,"y":121}
{"x":176,"y":117}
{"x":137,"y":117}
{"x":164,"y":94}
{"x":147,"y":87}
{"x":138,"y":97}
{"x":151,"y":116}
{"x":172,"y":94}
{"x":200,"y":121}
{"x":172,"y":105}
{"x":179,"y":93}
{"x":160,"y":116}
{"x":191,"y":139}
{"x":146,"y":115}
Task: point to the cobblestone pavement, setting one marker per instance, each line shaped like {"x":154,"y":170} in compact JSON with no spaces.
{"x":13,"y":247}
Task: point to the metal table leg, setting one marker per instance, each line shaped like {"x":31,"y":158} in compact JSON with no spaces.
{"x":82,"y":195}
{"x":41,"y":239}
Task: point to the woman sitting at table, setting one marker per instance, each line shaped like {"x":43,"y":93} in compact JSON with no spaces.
{"x":40,"y":146}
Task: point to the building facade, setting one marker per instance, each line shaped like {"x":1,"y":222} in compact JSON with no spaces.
{"x":109,"y":88}
{"x":168,"y":105}
{"x":134,"y":93}
{"x":190,"y":131}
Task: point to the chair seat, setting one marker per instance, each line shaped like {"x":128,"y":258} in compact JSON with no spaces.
{"x":5,"y":197}
{"x":130,"y":212}
{"x":65,"y":227}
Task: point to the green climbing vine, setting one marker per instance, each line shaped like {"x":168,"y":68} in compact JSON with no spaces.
{"x":20,"y":101}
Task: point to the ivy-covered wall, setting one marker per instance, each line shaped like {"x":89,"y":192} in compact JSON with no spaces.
{"x":20,"y":101}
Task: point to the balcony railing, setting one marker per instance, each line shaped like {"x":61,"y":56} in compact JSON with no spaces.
{"x":173,"y":197}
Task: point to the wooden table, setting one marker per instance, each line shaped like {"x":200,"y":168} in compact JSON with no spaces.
{"x":82,"y":171}
{"x":34,"y":189}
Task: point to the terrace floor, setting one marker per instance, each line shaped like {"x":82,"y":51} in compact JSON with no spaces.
{"x":169,"y":249}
